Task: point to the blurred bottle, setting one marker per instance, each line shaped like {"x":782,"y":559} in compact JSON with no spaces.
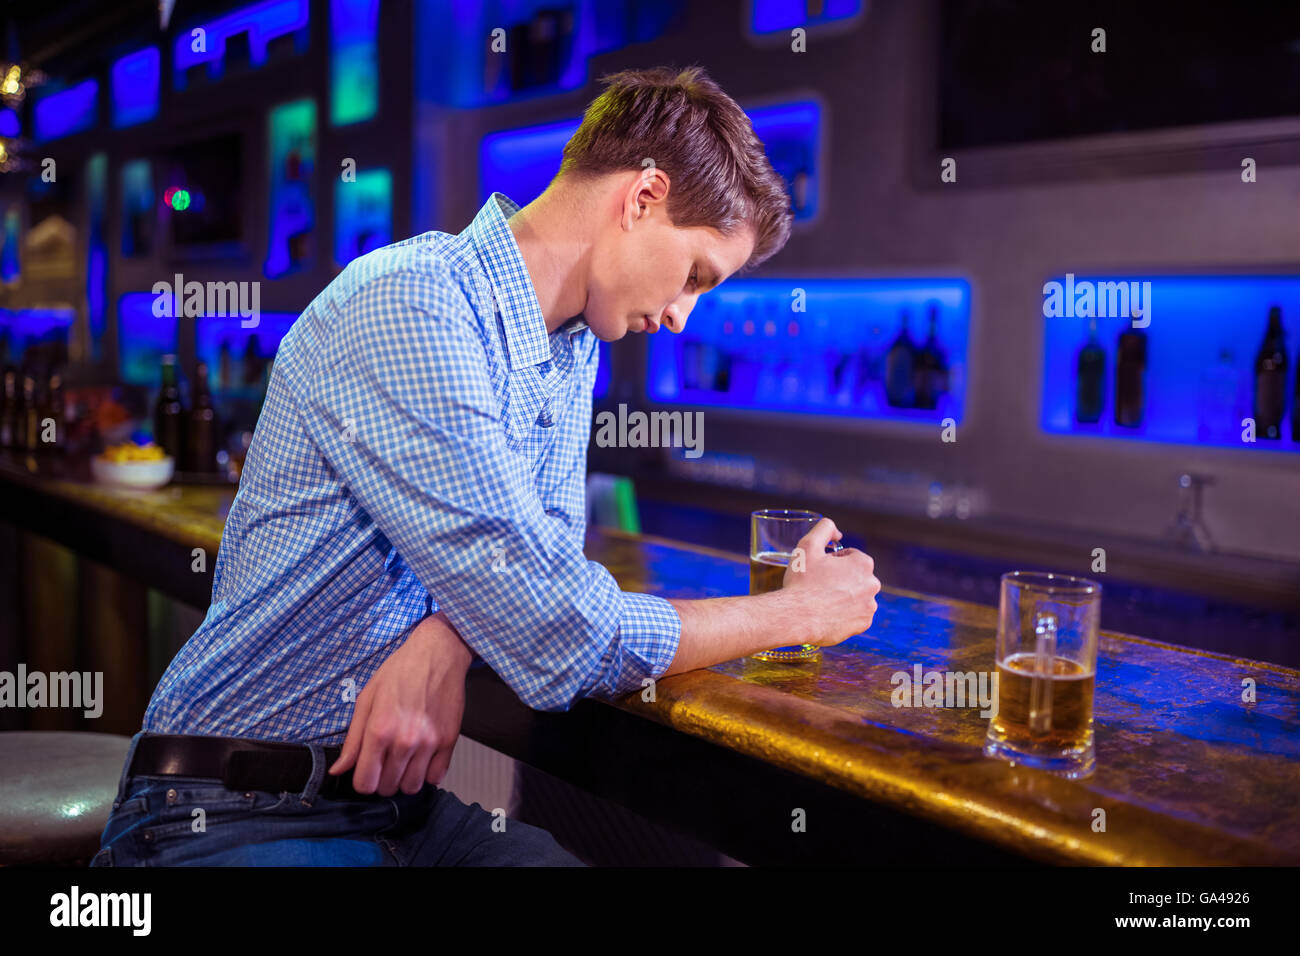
{"x":56,"y":412}
{"x":900,"y":369}
{"x":252,"y":371}
{"x":768,"y":389}
{"x":225,"y":376}
{"x":201,"y":435}
{"x":1089,"y":398}
{"x":169,"y":413}
{"x":791,"y":372}
{"x":9,"y":409}
{"x":1270,"y":379}
{"x":1130,"y":375}
{"x":931,"y":372}
{"x":30,"y":438}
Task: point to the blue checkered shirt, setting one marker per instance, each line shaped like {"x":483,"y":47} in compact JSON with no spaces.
{"x":422,"y":447}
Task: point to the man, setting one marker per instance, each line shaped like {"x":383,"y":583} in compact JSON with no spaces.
{"x":414,"y":495}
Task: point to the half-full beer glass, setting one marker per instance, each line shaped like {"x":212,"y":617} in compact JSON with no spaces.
{"x":1046,"y":657}
{"x":774,"y":534}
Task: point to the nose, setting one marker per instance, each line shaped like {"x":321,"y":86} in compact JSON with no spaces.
{"x":674,"y":317}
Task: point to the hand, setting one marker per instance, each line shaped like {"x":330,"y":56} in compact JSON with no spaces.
{"x":408,"y":715}
{"x":842,"y":584}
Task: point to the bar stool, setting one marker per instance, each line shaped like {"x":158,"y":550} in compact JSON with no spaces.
{"x":56,"y":792}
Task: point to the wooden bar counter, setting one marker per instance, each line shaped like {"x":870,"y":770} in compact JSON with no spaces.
{"x":1198,"y":755}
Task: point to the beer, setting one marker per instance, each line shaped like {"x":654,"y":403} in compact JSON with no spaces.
{"x":1070,"y":725}
{"x":767,"y":573}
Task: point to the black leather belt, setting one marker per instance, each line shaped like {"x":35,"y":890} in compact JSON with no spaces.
{"x":240,"y":764}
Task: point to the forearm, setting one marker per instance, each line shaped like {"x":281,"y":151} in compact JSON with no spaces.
{"x":437,"y":631}
{"x":722,"y":629}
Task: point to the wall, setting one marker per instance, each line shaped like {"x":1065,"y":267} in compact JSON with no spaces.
{"x":1006,"y":239}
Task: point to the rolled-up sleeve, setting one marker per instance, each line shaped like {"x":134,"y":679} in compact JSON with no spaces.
{"x":402,"y":407}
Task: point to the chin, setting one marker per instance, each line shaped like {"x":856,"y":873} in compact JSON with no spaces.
{"x":607,"y":332}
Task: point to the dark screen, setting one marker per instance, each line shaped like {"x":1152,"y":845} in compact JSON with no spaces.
{"x":1016,"y":71}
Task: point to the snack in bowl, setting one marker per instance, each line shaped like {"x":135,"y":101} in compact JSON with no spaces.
{"x":130,"y":465}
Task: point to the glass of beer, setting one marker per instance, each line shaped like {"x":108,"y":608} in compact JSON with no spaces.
{"x":774,"y":534}
{"x":1046,"y":659}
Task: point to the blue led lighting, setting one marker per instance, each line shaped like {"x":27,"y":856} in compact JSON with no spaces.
{"x":137,"y":201}
{"x":28,"y":327}
{"x":143,"y":338}
{"x":363,"y":214}
{"x":97,"y":249}
{"x":292,"y":132}
{"x":522,"y":162}
{"x":744,"y":347}
{"x":354,"y":61}
{"x":769,"y":16}
{"x":9,"y":266}
{"x":9,"y":123}
{"x":211,"y":332}
{"x":136,"y":80}
{"x":467,"y":72}
{"x":263,"y":22}
{"x":1201,"y":347}
{"x":66,"y":112}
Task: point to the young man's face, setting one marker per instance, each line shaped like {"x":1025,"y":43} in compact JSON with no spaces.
{"x":646,"y":272}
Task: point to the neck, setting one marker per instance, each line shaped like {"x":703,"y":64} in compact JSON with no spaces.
{"x":553,"y":234}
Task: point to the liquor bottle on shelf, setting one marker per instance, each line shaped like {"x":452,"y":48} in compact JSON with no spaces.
{"x":56,"y":411}
{"x":201,"y":435}
{"x":9,"y":410}
{"x":225,"y":377}
{"x":791,"y":372}
{"x":31,"y":416}
{"x":900,"y":366}
{"x":252,"y":373}
{"x":688,"y":354}
{"x":931,"y":371}
{"x":169,"y":413}
{"x":1130,"y":377}
{"x":1270,"y":379}
{"x":1089,"y":397}
{"x":768,"y":389}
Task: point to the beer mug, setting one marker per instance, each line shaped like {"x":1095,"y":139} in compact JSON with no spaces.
{"x":774,"y":533}
{"x":1046,"y":658}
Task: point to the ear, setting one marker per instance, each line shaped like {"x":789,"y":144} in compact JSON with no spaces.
{"x":647,"y":192}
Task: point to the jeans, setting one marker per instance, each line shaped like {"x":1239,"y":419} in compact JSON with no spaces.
{"x":196,"y":821}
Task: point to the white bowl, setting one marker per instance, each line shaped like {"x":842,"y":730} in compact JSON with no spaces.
{"x":133,"y":474}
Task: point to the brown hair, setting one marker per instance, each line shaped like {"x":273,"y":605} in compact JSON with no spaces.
{"x":694,"y":132}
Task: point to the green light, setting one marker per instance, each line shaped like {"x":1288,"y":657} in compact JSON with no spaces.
{"x":181,"y":200}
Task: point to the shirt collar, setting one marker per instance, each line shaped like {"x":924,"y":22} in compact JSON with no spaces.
{"x":527,"y":342}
